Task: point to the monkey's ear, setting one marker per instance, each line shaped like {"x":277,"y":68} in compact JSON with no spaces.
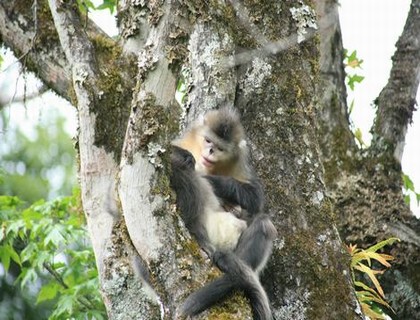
{"x":242,"y":144}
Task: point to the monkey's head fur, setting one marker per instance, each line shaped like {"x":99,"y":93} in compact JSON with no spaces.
{"x":218,"y":143}
{"x":225,"y":124}
{"x":223,"y":145}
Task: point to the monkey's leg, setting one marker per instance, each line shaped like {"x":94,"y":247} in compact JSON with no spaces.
{"x":256,"y":242}
{"x":253,"y":249}
{"x":252,"y":252}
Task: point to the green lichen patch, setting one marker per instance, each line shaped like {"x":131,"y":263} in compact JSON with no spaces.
{"x":113,"y":94}
{"x":155,"y":123}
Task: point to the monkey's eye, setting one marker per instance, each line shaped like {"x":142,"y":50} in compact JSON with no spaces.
{"x":220,"y":149}
{"x":207,"y":140}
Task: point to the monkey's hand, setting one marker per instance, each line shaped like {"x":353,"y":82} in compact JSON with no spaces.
{"x":182,"y":158}
{"x":248,"y":196}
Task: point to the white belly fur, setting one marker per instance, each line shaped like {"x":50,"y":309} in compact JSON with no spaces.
{"x":223,"y":229}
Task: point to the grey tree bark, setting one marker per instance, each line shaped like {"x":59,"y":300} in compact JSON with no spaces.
{"x":261,"y":57}
{"x":366,"y":184}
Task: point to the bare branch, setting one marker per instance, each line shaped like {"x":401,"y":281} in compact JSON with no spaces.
{"x":397,"y":100}
{"x":333,"y":120}
{"x":270,"y":48}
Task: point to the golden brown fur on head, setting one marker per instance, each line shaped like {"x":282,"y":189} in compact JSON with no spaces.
{"x":217,"y":142}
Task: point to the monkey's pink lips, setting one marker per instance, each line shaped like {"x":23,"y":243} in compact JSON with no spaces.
{"x":206,"y":162}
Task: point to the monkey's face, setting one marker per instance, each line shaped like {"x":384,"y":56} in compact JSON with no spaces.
{"x":215,"y":154}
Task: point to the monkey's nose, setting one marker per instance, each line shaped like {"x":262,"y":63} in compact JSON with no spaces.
{"x":211,"y":151}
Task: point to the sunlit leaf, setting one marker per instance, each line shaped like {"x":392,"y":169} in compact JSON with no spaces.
{"x":353,"y":79}
{"x":54,"y":237}
{"x":29,"y":252}
{"x":13,"y":254}
{"x":366,"y":288}
{"x":372,"y":276}
{"x":108,"y":4}
{"x":48,"y":292}
{"x":358,"y":136}
{"x":28,"y":276}
{"x":5,"y":258}
{"x":14,"y":226}
{"x":407,"y":182}
{"x":382,"y":244}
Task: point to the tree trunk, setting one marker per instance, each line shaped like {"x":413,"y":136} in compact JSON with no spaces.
{"x":261,"y":57}
{"x":366,"y":185}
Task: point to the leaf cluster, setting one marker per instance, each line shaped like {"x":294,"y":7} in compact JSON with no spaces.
{"x":352,"y":61}
{"x":361,"y":260}
{"x":49,"y":243}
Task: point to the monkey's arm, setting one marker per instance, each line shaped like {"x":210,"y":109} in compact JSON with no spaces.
{"x":248,"y":195}
{"x":189,"y":198}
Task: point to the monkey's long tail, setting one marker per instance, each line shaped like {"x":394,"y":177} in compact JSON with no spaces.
{"x":238,"y":276}
{"x":243,"y":277}
{"x":207,"y":296}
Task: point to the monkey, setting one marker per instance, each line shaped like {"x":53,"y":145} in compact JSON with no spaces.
{"x":217,"y":143}
{"x":211,"y":170}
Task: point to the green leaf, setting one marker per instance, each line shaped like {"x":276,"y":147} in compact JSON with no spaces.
{"x":48,"y":292}
{"x":65,"y":304}
{"x":29,"y":252}
{"x":354,"y":79}
{"x":14,"y":227}
{"x":29,"y":216}
{"x":358,"y":136}
{"x":27,"y":275}
{"x":55,"y":236}
{"x":372,"y":275}
{"x":13,"y":254}
{"x":407,"y":182}
{"x":107,"y":4}
{"x":41,"y":257}
{"x":382,"y":244}
{"x":5,"y":258}
{"x":407,"y":199}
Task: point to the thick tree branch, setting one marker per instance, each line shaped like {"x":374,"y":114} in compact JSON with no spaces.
{"x":366,"y":189}
{"x":396,"y":102}
{"x":27,"y":28}
{"x":335,"y":137}
{"x":78,"y":49}
{"x":102,"y":80}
